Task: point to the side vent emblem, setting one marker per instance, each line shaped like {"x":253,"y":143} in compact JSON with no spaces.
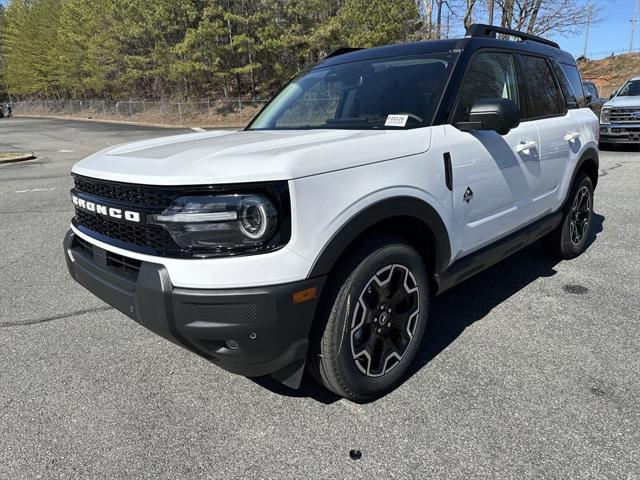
{"x":468,"y":195}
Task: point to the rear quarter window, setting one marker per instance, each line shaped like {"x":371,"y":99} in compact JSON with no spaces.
{"x":572,"y":86}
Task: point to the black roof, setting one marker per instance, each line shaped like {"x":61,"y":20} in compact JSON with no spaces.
{"x":438,"y":46}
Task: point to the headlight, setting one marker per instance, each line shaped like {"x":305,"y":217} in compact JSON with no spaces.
{"x":605,"y":116}
{"x":220,"y":223}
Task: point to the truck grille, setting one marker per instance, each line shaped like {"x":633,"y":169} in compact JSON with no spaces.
{"x":140,"y":237}
{"x":150,"y":236}
{"x":624,"y":115}
{"x":126,"y":193}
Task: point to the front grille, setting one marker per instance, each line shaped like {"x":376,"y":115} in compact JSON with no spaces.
{"x":150,"y":236}
{"x":624,"y":115}
{"x":125,"y":265}
{"x":145,"y":199}
{"x":127,"y":194}
{"x":84,"y":246}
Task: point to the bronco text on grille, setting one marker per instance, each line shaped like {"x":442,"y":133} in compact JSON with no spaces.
{"x":115,"y":213}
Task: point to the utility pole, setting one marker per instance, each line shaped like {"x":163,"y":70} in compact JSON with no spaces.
{"x":634,"y":23}
{"x":586,"y":32}
{"x":490,"y":12}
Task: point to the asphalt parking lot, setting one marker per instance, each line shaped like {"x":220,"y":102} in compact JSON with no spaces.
{"x":529,"y":370}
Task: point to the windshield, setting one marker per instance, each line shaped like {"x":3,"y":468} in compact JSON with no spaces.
{"x":630,"y":89}
{"x":386,"y":93}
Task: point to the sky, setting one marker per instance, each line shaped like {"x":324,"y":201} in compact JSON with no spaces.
{"x":612,"y":33}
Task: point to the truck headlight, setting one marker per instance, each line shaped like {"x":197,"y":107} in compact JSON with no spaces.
{"x":220,"y":223}
{"x":605,"y":116}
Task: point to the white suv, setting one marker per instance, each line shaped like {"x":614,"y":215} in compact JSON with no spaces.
{"x":318,"y":236}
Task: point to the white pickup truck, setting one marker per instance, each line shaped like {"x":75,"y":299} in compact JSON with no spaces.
{"x":620,"y":116}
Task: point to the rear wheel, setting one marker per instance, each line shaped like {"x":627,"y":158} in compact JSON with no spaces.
{"x":570,"y":238}
{"x":374,"y":319}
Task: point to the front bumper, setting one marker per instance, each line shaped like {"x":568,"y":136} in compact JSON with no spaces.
{"x":623,"y":133}
{"x":270,"y":331}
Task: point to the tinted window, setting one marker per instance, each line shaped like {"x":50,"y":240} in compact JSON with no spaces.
{"x":383,"y":93}
{"x":544,"y":96}
{"x":591,"y":90}
{"x":490,"y":75}
{"x":572,"y":86}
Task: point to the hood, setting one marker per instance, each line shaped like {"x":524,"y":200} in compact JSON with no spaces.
{"x":624,"y":102}
{"x":249,"y":156}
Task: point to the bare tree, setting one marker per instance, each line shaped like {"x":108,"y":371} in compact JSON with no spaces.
{"x":468,"y":15}
{"x":544,"y":16}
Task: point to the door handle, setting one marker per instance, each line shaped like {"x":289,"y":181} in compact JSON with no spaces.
{"x":572,"y":136}
{"x":526,"y":146}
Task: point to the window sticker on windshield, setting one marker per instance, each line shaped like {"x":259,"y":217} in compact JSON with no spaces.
{"x":396,"y":120}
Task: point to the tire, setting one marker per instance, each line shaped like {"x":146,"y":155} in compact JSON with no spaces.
{"x":570,"y":237}
{"x":347,"y":343}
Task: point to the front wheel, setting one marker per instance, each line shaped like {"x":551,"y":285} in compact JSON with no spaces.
{"x":374,"y":319}
{"x":570,"y":238}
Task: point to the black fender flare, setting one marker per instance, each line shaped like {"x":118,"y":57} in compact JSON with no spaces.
{"x":589,"y":155}
{"x":384,"y":210}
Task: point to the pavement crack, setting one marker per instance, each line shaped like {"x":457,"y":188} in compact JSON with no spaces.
{"x":55,"y":317}
{"x":605,"y":171}
{"x":20,"y":257}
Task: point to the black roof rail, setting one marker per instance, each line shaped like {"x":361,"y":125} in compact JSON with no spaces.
{"x":481,"y":30}
{"x":341,"y":51}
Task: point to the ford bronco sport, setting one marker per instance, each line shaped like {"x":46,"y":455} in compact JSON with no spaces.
{"x":318,"y":236}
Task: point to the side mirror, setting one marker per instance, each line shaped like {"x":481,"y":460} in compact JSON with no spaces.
{"x":496,"y":114}
{"x":589,"y":98}
{"x":613,"y":94}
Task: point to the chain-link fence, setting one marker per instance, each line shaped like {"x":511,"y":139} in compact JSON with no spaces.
{"x":204,"y":112}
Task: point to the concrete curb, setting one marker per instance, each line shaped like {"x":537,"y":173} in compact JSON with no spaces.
{"x":16,"y":157}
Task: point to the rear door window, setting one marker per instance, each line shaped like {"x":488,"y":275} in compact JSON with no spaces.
{"x":543,"y":95}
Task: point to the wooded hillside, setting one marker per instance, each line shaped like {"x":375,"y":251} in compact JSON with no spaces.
{"x":182,"y":48}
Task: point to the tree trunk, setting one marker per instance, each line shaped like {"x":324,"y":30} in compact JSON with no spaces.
{"x":439,"y":20}
{"x":534,"y":16}
{"x":507,"y":13}
{"x":468,"y":16}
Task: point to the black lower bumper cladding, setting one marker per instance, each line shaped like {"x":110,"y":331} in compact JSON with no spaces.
{"x":248,"y":331}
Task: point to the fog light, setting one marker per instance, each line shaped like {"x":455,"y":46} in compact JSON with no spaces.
{"x":232,"y":345}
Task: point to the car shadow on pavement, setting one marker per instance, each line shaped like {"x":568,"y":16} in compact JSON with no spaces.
{"x":453,"y":311}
